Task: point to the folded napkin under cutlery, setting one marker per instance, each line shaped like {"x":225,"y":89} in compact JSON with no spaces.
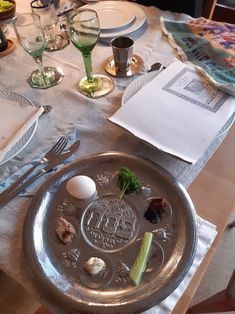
{"x":16,"y":119}
{"x":6,"y":196}
{"x":179,"y":112}
{"x":32,"y":188}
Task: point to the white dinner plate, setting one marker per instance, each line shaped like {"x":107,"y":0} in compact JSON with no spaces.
{"x":113,"y":15}
{"x":137,"y":22}
{"x":17,"y":148}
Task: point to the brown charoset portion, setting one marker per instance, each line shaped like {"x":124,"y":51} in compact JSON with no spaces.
{"x":155,"y":210}
{"x":65,"y":231}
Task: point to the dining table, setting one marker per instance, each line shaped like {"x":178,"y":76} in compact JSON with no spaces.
{"x":210,"y":181}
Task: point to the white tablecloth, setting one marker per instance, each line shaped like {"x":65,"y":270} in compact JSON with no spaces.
{"x":72,"y":111}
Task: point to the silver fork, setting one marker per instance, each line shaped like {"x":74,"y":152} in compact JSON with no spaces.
{"x":50,"y":155}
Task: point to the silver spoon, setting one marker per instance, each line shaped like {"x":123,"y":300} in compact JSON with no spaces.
{"x":47,"y":108}
{"x":155,"y":67}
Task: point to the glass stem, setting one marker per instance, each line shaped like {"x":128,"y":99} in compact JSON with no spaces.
{"x":88,"y":66}
{"x":49,"y":35}
{"x":38,"y":60}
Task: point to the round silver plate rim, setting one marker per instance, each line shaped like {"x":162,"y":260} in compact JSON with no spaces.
{"x":59,"y":296}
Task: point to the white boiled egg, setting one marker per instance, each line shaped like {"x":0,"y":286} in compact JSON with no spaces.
{"x":81,"y":187}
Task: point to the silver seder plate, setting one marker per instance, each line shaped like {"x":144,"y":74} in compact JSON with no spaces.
{"x":111,"y":229}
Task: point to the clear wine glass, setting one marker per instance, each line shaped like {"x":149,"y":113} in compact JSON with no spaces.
{"x":48,"y":17}
{"x":83,"y":28}
{"x":30,"y":35}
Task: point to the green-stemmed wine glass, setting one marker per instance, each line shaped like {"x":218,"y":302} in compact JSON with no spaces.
{"x":30,"y":35}
{"x":83,"y":28}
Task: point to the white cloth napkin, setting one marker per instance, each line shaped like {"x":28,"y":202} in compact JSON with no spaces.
{"x":206,"y":235}
{"x":15,"y":119}
{"x":178,"y":111}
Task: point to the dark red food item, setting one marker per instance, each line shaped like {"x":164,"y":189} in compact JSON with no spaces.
{"x":155,"y":210}
{"x":64,"y":230}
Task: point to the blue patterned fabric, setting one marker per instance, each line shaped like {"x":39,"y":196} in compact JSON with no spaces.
{"x":32,"y":189}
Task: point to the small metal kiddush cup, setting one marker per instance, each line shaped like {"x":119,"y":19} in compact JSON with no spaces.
{"x":122,"y":53}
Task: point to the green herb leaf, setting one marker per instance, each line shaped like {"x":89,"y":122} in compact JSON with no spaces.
{"x":128,"y":181}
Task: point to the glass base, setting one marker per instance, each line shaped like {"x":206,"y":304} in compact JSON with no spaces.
{"x":101,"y":86}
{"x":59,"y":42}
{"x":50,"y":77}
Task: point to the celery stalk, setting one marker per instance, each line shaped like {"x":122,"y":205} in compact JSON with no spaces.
{"x":142,"y":258}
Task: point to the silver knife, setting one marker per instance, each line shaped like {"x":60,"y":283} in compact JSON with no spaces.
{"x":59,"y":159}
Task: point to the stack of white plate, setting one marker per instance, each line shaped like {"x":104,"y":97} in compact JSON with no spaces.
{"x":117,"y":18}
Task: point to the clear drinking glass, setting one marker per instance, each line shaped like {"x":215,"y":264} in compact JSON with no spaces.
{"x":48,"y":17}
{"x":30,"y":35}
{"x":83,"y":28}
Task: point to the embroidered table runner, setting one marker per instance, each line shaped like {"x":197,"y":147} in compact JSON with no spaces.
{"x":209,"y":45}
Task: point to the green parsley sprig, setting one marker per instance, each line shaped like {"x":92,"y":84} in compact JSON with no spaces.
{"x":128,"y":182}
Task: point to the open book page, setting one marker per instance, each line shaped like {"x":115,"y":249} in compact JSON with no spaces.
{"x":179,"y":112}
